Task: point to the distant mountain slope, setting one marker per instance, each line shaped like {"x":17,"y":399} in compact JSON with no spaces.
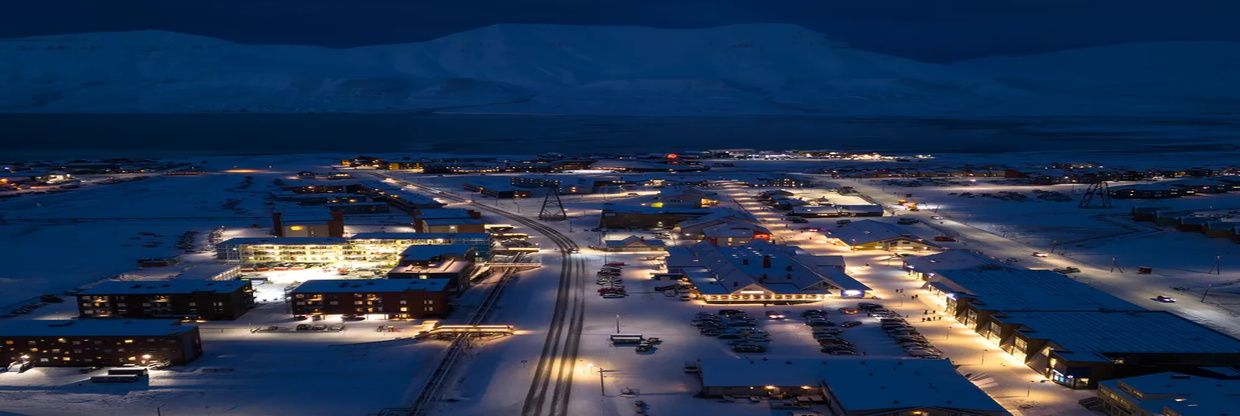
{"x":741,"y":69}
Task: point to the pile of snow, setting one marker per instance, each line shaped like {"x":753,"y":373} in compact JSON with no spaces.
{"x":740,"y":69}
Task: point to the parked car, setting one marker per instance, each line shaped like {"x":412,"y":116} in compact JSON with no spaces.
{"x":849,"y":311}
{"x":1067,"y":270}
{"x":851,"y":324}
{"x":774,"y":315}
{"x":865,"y":306}
{"x":1164,"y":299}
{"x":1040,"y":254}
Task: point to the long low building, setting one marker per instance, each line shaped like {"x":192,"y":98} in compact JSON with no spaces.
{"x":98,"y":342}
{"x":361,"y":249}
{"x":853,"y":386}
{"x":1080,"y":348}
{"x":1072,"y":333}
{"x":388,"y":298}
{"x":646,"y":217}
{"x":181,"y":298}
{"x":877,"y":235}
{"x":761,"y":272}
{"x":1169,"y":394}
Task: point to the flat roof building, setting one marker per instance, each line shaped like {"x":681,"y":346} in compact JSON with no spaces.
{"x":854,"y":386}
{"x":454,"y":263}
{"x":1169,"y":393}
{"x":182,"y":298}
{"x":98,"y":342}
{"x":1080,"y":348}
{"x":877,"y":235}
{"x":390,"y":298}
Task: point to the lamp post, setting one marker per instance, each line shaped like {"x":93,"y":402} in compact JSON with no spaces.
{"x":617,"y":323}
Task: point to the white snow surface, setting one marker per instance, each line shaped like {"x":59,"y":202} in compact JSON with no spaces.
{"x":553,"y":69}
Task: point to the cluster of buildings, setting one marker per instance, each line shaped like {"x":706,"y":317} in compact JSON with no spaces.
{"x":664,"y":211}
{"x":1072,"y":333}
{"x":1212,"y":223}
{"x":1172,"y":394}
{"x":1177,"y":188}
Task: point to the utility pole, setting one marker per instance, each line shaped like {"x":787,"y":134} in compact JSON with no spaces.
{"x":617,"y":323}
{"x":602,"y":388}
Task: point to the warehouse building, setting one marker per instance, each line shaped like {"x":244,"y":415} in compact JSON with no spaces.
{"x":927,"y":267}
{"x":98,"y":342}
{"x":380,"y":298}
{"x":1080,"y":348}
{"x":184,"y":299}
{"x":761,"y":273}
{"x":974,"y":296}
{"x":853,"y":386}
{"x":876,"y":235}
{"x":1074,"y":334}
{"x":1169,"y":393}
{"x":647,"y":217}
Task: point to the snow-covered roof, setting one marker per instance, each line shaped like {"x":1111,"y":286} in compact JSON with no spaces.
{"x":452,"y":221}
{"x":91,"y":327}
{"x":869,"y":231}
{"x":858,"y":384}
{"x":1085,"y":335}
{"x":1001,"y":288}
{"x":420,"y":236}
{"x":370,"y":285}
{"x":635,"y":241}
{"x":438,"y":213}
{"x":283,"y":241}
{"x":165,"y":287}
{"x":429,"y":251}
{"x":724,"y":270}
{"x":1182,"y":393}
{"x":950,"y":260}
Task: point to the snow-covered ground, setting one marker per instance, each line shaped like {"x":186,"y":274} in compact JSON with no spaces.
{"x":56,"y":242}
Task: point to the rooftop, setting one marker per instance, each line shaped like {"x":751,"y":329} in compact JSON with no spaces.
{"x":950,"y":260}
{"x":419,"y":236}
{"x":1085,"y":335}
{"x":165,"y":287}
{"x":92,"y":327}
{"x":438,"y":213}
{"x":723,"y":270}
{"x":428,"y":252}
{"x":1007,"y":289}
{"x":283,"y":241}
{"x":858,"y":384}
{"x":1185,"y":394}
{"x":370,"y":285}
{"x":869,"y":231}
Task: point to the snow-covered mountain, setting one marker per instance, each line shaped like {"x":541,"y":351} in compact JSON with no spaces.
{"x":741,"y":69}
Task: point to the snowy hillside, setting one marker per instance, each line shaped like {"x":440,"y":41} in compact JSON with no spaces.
{"x":742,"y":69}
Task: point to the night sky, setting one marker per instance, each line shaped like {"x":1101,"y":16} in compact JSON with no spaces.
{"x":930,"y":30}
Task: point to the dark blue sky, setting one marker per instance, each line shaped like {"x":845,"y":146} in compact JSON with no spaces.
{"x":932,"y":30}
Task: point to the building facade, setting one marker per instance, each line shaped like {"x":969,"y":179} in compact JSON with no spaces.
{"x":82,"y":343}
{"x":387,"y":298}
{"x":183,"y":299}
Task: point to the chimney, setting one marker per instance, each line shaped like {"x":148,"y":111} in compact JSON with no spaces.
{"x":766,"y":261}
{"x":335,"y":227}
{"x":277,"y":226}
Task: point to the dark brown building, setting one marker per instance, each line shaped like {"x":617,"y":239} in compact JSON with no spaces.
{"x":393,"y":298}
{"x":96,"y":342}
{"x":183,"y":299}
